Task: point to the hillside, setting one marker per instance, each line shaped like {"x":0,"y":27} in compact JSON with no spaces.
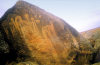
{"x":88,"y":34}
{"x":93,"y":36}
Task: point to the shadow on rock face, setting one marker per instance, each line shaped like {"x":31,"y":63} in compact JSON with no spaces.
{"x":10,"y":52}
{"x":4,"y":50}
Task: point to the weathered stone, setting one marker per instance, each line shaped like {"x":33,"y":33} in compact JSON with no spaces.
{"x":37,"y":36}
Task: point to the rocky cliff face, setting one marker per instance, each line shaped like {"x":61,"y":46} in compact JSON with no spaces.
{"x":35,"y":36}
{"x":93,"y":36}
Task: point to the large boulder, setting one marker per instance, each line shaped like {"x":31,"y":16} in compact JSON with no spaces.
{"x":34,"y":35}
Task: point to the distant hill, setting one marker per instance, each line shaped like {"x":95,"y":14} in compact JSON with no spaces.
{"x":93,"y":36}
{"x":37,"y":37}
{"x":88,"y":34}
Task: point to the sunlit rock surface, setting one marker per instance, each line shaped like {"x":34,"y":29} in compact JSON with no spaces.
{"x":94,"y":37}
{"x":34,"y":35}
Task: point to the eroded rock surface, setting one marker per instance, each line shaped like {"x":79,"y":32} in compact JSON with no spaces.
{"x":35,"y":35}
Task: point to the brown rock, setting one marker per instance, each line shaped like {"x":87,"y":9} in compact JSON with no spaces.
{"x":36,"y":35}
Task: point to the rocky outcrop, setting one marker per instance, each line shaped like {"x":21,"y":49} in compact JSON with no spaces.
{"x":34,"y":35}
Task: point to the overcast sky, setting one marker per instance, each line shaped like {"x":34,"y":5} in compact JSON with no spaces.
{"x":81,"y":14}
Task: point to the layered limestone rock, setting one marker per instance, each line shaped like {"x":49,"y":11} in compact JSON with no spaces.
{"x":35,"y":35}
{"x":94,"y":37}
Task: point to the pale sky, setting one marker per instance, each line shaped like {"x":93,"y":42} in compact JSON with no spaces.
{"x":80,"y":14}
